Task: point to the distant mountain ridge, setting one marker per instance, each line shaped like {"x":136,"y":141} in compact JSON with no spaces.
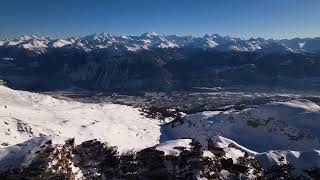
{"x":106,"y":62}
{"x":151,"y":40}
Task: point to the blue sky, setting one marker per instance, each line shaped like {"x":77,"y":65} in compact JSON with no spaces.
{"x":240,"y":18}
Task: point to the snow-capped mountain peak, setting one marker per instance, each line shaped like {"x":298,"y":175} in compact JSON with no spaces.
{"x":149,"y":35}
{"x":152,"y":40}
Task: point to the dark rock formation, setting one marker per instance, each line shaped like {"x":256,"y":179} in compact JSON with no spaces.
{"x":96,"y":160}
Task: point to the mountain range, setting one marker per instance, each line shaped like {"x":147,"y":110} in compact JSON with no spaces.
{"x":152,"y":40}
{"x":106,"y":62}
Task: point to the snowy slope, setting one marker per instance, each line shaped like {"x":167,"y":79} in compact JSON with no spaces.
{"x":281,"y":129}
{"x":21,"y":154}
{"x":168,"y":147}
{"x":25,"y":115}
{"x":275,"y":134}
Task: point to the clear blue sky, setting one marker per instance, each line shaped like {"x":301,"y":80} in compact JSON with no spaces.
{"x":241,"y":18}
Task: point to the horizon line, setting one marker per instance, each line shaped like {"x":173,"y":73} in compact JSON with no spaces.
{"x":152,"y":32}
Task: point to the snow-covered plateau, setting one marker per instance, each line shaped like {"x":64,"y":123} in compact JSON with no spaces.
{"x":45,"y":137}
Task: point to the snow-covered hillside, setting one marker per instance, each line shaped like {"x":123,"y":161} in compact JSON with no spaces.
{"x":276,"y":133}
{"x":37,"y":134}
{"x":25,"y":115}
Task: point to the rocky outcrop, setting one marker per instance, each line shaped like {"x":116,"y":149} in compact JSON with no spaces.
{"x":96,"y":160}
{"x":50,"y":162}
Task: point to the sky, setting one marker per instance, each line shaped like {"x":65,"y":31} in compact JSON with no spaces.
{"x":238,"y":18}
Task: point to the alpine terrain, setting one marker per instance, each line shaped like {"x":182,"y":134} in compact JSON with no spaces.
{"x":156,"y":106}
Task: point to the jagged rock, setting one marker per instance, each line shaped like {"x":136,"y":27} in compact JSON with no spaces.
{"x":3,"y":83}
{"x":96,"y":160}
{"x":151,"y":164}
{"x":129,"y":166}
{"x":51,"y":162}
